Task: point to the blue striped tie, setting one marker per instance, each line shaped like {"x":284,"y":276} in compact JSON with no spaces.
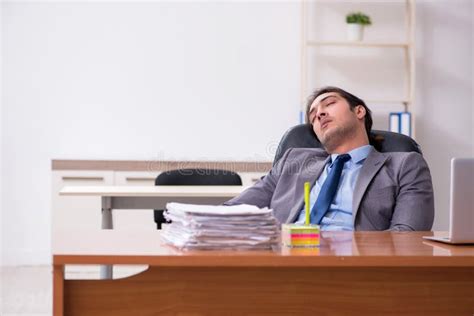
{"x":329,"y":189}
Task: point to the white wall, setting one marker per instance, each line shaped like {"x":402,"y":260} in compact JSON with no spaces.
{"x":182,"y":80}
{"x":111,"y":80}
{"x":445,"y":117}
{"x":1,"y":141}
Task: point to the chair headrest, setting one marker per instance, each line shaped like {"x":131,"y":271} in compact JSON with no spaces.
{"x":302,"y":136}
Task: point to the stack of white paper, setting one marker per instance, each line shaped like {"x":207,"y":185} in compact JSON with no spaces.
{"x":220,"y":227}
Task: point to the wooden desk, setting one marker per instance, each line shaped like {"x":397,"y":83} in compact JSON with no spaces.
{"x":368,"y":273}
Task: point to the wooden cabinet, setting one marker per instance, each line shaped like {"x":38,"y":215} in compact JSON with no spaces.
{"x":84,"y":212}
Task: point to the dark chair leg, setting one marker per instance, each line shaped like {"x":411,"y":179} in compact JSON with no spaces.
{"x":159,"y":218}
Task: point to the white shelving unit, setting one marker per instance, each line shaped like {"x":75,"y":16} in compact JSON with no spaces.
{"x":407,"y":45}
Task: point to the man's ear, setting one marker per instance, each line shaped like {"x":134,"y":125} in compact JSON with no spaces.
{"x":360,"y":111}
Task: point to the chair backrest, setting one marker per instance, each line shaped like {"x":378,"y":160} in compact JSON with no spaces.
{"x":193,"y":176}
{"x":302,"y":136}
{"x":196,"y":176}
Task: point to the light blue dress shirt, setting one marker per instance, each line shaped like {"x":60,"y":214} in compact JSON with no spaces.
{"x":339,"y":215}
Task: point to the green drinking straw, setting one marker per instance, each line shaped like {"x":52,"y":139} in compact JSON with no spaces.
{"x":307,"y":186}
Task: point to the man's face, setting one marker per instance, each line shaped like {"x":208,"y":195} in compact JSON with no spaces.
{"x":333,"y":120}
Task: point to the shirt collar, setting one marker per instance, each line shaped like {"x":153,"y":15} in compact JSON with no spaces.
{"x":357,"y":155}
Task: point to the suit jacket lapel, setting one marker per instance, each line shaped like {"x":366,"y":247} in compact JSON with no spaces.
{"x":311,"y":172}
{"x":371,"y":166}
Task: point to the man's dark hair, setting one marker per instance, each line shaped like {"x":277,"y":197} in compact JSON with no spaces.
{"x":350,"y":98}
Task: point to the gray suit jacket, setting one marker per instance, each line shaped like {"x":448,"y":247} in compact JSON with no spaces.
{"x":393,"y":190}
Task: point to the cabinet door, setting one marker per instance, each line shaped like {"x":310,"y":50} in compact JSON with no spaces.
{"x":77,"y":212}
{"x":134,"y":219}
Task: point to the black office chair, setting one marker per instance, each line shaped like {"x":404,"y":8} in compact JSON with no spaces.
{"x":194,"y":176}
{"x":302,"y":136}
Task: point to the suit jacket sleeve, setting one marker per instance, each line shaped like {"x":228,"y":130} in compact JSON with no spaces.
{"x":414,"y":208}
{"x":262,"y":192}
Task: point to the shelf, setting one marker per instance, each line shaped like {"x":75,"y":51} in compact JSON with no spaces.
{"x":403,"y":46}
{"x":358,"y":44}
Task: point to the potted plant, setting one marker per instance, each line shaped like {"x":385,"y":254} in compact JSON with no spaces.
{"x":355,"y":25}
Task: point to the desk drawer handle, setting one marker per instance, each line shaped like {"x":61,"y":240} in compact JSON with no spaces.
{"x":82,"y":178}
{"x":139,"y":179}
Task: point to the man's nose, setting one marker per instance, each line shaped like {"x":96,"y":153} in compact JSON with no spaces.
{"x":320,"y":114}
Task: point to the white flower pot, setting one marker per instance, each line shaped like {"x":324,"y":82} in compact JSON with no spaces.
{"x":355,"y":32}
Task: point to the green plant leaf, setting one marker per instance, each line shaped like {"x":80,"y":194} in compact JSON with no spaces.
{"x":358,"y":18}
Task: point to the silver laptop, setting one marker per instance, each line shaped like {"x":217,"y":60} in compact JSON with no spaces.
{"x":461,"y":225}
